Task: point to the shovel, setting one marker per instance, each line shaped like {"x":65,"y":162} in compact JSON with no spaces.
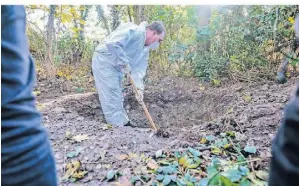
{"x":147,"y":114}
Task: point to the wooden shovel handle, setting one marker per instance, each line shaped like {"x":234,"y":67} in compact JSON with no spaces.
{"x":147,"y":114}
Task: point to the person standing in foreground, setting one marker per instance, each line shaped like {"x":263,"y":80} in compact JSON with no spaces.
{"x":26,"y":155}
{"x":284,"y":168}
{"x":125,"y":50}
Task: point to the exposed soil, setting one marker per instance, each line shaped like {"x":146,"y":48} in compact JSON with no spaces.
{"x":177,"y":105}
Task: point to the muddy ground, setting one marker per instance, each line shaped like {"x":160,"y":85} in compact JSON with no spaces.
{"x":180,"y":106}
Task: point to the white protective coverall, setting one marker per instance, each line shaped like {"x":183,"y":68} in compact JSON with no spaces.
{"x":125,"y":46}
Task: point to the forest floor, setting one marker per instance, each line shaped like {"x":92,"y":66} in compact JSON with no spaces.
{"x":206,"y":125}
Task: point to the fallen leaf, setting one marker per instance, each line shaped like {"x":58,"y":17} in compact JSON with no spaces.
{"x":201,"y":87}
{"x":164,"y":162}
{"x":227,"y":146}
{"x":133,"y":156}
{"x":262,"y":175}
{"x":216,"y":150}
{"x":247,"y":98}
{"x":185,"y":161}
{"x":203,"y":141}
{"x":68,"y":134}
{"x":107,"y":127}
{"x":231,"y":110}
{"x":79,"y":174}
{"x":216,"y":82}
{"x":255,"y":181}
{"x":107,"y":166}
{"x":90,"y":79}
{"x":182,"y":160}
{"x":193,"y":166}
{"x":36,"y":93}
{"x":123,"y":157}
{"x":230,"y":133}
{"x":152,"y":164}
{"x":80,"y":138}
{"x":71,"y":168}
{"x":40,"y":106}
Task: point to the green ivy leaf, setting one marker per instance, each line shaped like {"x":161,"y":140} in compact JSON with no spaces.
{"x":244,"y":170}
{"x":216,"y":163}
{"x":160,"y":177}
{"x":187,"y":176}
{"x":110,"y":175}
{"x":210,"y":138}
{"x":134,"y":179}
{"x":166,"y":180}
{"x":250,"y":149}
{"x":233,"y":174}
{"x":74,"y":153}
{"x":215,"y":179}
{"x":241,"y":159}
{"x":245,"y":182}
{"x":194,"y":152}
{"x":203,"y":182}
{"x":173,"y":178}
{"x":211,"y":171}
{"x":225,"y":181}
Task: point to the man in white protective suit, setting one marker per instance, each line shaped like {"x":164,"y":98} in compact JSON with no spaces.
{"x":125,"y":50}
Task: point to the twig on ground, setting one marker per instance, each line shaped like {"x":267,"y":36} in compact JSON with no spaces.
{"x":251,"y":164}
{"x":231,"y":141}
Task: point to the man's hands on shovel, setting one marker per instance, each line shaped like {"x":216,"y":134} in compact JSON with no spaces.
{"x":139,"y":97}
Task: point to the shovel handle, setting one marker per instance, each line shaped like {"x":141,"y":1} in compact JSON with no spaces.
{"x":147,"y":114}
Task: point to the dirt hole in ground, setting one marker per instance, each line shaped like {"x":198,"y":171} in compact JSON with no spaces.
{"x":172,"y":107}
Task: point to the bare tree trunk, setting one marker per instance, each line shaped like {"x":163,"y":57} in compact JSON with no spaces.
{"x":139,"y":14}
{"x":142,"y":13}
{"x":129,"y":13}
{"x":84,"y":14}
{"x":58,"y":30}
{"x":115,"y":13}
{"x":102,"y":18}
{"x":50,"y":31}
